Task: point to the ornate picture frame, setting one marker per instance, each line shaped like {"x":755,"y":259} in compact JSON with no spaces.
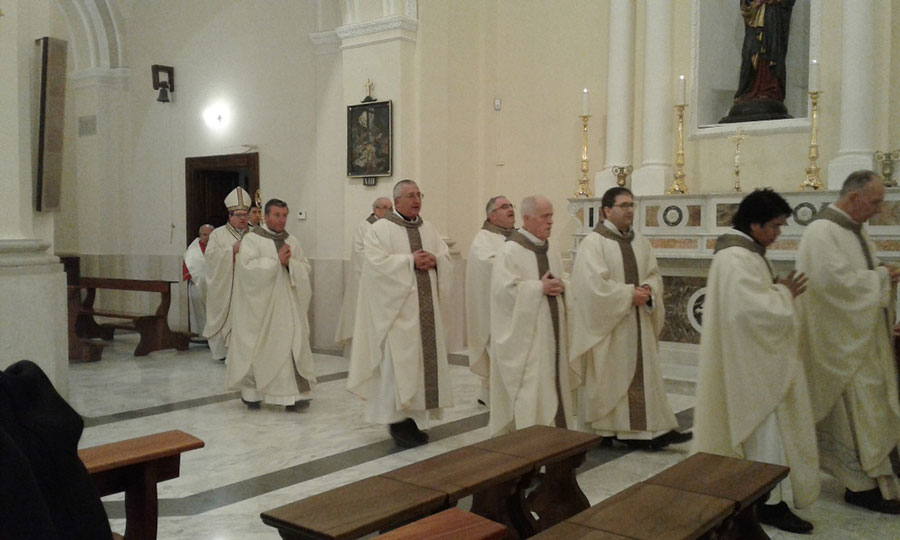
{"x":369,"y":139}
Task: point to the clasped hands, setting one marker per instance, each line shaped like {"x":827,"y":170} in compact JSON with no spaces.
{"x":552,"y":286}
{"x":284,"y":254}
{"x":642,"y":295}
{"x":423,"y":260}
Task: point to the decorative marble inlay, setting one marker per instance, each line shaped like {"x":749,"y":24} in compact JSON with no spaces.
{"x":711,"y":243}
{"x":804,"y":213}
{"x":887,"y":245}
{"x":890,"y":214}
{"x":651,"y":212}
{"x":784,"y":245}
{"x":672,"y":216}
{"x":694,"y":214}
{"x":673,"y":243}
{"x":724,"y":213}
{"x":680,"y":293}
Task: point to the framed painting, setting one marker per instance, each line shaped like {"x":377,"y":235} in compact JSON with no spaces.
{"x":369,"y":139}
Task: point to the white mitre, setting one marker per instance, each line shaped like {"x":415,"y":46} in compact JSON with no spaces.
{"x":238,"y":199}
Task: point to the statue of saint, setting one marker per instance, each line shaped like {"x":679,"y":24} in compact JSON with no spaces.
{"x":761,"y":90}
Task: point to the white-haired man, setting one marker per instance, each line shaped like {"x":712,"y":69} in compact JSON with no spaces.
{"x":193,"y":271}
{"x":498,"y":225}
{"x":398,"y":361}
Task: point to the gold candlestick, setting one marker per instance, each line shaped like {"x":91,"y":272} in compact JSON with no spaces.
{"x":887,"y":160}
{"x":584,"y":191}
{"x":678,"y":185}
{"x":622,"y":172}
{"x":737,"y":139}
{"x":812,"y":172}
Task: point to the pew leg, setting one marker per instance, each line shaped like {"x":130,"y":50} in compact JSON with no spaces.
{"x":86,"y":327}
{"x":156,"y":336}
{"x":559,"y":496}
{"x":142,"y":506}
{"x":505,"y":505}
{"x":743,"y":526}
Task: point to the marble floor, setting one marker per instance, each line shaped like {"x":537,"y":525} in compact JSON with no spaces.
{"x":256,"y":460}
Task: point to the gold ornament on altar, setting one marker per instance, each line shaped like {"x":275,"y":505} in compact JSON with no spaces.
{"x":678,"y":186}
{"x":887,"y":160}
{"x":812,"y":172}
{"x":622,"y":172}
{"x":738,"y":138}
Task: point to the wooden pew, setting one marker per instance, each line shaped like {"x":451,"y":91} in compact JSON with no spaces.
{"x":135,"y":467}
{"x":495,"y":473}
{"x":741,"y":481}
{"x":451,"y":524}
{"x":153,"y":328}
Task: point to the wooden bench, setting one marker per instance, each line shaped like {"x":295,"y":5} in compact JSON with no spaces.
{"x":495,"y":473}
{"x":153,"y":328}
{"x":741,"y":481}
{"x":451,"y":524}
{"x":135,"y":467}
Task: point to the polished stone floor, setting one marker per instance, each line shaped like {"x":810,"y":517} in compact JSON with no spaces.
{"x":257,"y":460}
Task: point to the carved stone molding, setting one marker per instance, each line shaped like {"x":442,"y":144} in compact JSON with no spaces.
{"x":403,"y":27}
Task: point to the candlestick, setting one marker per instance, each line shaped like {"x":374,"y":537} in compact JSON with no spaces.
{"x":812,"y":172}
{"x":737,"y":139}
{"x":678,"y":186}
{"x":584,"y":191}
{"x":585,"y":103}
{"x":814,"y":76}
{"x":682,"y":90}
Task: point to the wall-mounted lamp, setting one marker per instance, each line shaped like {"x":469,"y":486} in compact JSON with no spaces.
{"x":164,"y":86}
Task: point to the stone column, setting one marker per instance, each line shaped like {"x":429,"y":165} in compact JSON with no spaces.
{"x":857,"y":136}
{"x":619,"y":93}
{"x":32,"y":282}
{"x":657,"y":141}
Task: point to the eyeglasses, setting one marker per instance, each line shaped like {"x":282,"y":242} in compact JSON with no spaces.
{"x":412,"y":196}
{"x":242,"y":216}
{"x":624,"y":205}
{"x":384,"y":207}
{"x":507,"y":206}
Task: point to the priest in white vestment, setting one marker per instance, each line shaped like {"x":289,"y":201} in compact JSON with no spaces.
{"x":344,"y":332}
{"x":223,"y":246}
{"x":617,"y":316}
{"x":398,"y":361}
{"x":752,"y":397}
{"x":269,"y":358}
{"x":532,"y":380}
{"x":194,"y":272}
{"x":847,"y":348}
{"x":499,"y":224}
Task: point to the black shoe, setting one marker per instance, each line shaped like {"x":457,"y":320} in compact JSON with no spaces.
{"x":672,"y":437}
{"x":481,"y":402}
{"x":780,"y":516}
{"x":298,"y":405}
{"x":407,"y":434}
{"x":221,"y":360}
{"x":250,"y":404}
{"x":634,"y":444}
{"x":872,"y":500}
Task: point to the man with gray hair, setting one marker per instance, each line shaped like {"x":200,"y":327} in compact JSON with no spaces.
{"x":845,"y":343}
{"x":398,"y":361}
{"x":344,"y":332}
{"x":194,"y":272}
{"x":498,"y":225}
{"x":531,"y":378}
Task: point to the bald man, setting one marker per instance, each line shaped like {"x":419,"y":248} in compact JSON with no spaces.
{"x":194,"y":272}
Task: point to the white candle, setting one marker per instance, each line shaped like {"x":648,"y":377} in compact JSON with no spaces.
{"x":814,"y":76}
{"x":585,"y":102}
{"x":682,"y":90}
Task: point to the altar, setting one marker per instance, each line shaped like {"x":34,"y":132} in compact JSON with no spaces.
{"x":683,"y":229}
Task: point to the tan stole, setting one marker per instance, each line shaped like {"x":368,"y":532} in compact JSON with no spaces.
{"x":372,"y":218}
{"x":543,"y":266}
{"x":840,"y":219}
{"x":426,"y":312}
{"x":637,"y":404}
{"x":728,"y":240}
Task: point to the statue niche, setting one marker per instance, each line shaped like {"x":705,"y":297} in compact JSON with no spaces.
{"x":761,"y":90}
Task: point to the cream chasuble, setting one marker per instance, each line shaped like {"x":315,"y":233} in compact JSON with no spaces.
{"x":485,"y":247}
{"x":530,"y":373}
{"x":750,"y":365}
{"x":623,"y":390}
{"x":219,"y":279}
{"x":846,"y":347}
{"x":269,"y":345}
{"x":398,"y":322}
{"x":195,"y":262}
{"x":344,"y":331}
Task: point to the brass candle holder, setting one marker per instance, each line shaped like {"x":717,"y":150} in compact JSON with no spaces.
{"x":678,"y":186}
{"x":887,"y":160}
{"x":812,"y":172}
{"x":584,"y":191}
